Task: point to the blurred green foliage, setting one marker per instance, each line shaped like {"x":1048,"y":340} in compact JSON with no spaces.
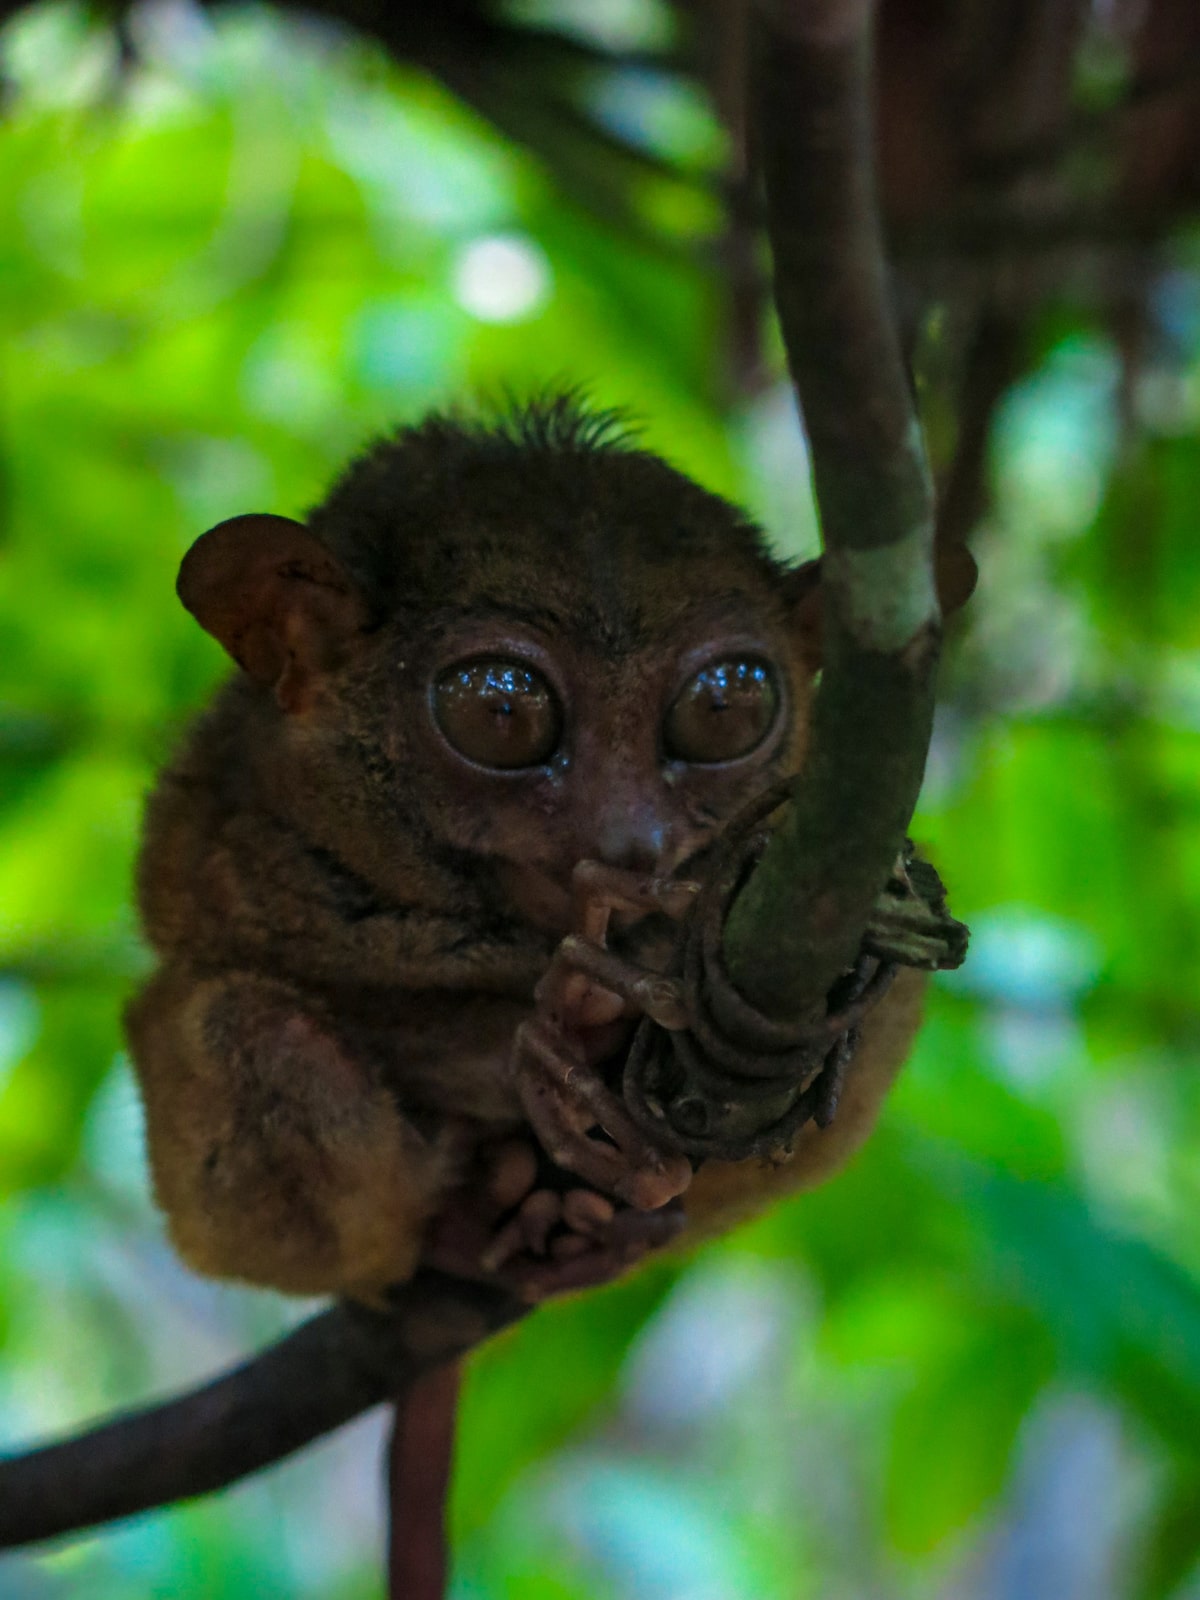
{"x":971,"y":1367}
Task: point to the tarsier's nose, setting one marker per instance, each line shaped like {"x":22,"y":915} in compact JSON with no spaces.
{"x":631,"y":834}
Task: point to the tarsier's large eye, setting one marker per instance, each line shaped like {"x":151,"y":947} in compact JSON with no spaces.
{"x":498,"y":713}
{"x":722,"y":713}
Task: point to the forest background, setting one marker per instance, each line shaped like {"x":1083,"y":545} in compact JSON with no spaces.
{"x":232,"y":250}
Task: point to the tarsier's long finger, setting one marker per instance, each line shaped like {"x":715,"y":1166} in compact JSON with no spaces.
{"x":569,"y":997}
{"x":457,"y":1238}
{"x":632,"y":1235}
{"x":565,"y":1100}
{"x":511,"y":1173}
{"x":598,"y":890}
{"x":564,"y":1136}
{"x":527,"y":1232}
{"x":586,"y":1212}
{"x":643,"y":993}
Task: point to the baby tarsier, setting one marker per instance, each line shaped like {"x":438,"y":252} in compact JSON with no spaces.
{"x":413,"y":872}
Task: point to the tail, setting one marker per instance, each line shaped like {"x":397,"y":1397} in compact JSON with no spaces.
{"x":420,"y":1457}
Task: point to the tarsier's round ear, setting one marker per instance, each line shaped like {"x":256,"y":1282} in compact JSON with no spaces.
{"x":275,"y":598}
{"x":956,"y":578}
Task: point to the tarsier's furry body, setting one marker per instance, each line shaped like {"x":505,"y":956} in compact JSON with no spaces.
{"x":351,"y":915}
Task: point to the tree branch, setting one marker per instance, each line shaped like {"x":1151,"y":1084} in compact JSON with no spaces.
{"x":798,"y":921}
{"x":786,"y":949}
{"x":331,"y":1369}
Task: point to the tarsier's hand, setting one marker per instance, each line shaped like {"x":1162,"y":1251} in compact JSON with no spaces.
{"x":583,"y":1006}
{"x":521,"y":1218}
{"x":516,"y":1223}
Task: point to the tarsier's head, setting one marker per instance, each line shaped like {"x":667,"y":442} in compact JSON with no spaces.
{"x":519,"y":645}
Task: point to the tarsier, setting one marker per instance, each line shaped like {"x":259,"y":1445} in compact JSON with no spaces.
{"x":413,"y":873}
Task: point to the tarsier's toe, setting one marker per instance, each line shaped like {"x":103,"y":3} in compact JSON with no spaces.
{"x":585,"y":1128}
{"x":578,"y":1262}
{"x":587,"y":1212}
{"x":537,"y":1216}
{"x":527,"y":1233}
{"x":512,"y":1173}
{"x":587,"y":984}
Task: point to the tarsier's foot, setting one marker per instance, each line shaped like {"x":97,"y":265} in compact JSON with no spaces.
{"x":585,"y":1260}
{"x":584,"y":997}
{"x":461,"y":1236}
{"x":508,"y":1225}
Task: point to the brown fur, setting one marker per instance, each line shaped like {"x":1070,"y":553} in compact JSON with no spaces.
{"x":350,"y":920}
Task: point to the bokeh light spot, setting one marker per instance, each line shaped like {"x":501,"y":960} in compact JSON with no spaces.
{"x":502,"y":278}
